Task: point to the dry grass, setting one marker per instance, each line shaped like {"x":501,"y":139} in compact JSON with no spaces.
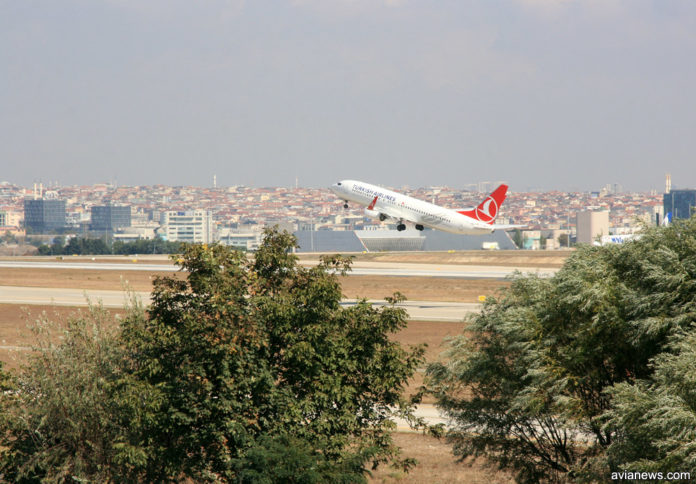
{"x":436,"y":464}
{"x":16,"y":338}
{"x":421,"y":288}
{"x":14,"y":332}
{"x":371,"y":287}
{"x":80,"y":278}
{"x":506,"y":258}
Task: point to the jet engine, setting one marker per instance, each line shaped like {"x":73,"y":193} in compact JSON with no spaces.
{"x":375,"y":214}
{"x":372,"y":213}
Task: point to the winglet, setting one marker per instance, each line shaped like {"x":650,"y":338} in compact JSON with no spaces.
{"x":488,"y":209}
{"x":372,"y":205}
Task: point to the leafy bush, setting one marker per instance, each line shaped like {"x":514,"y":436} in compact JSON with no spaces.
{"x":247,"y":370}
{"x":532,"y":387}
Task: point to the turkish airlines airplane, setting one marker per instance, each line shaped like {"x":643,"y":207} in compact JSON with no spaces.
{"x":383,"y":204}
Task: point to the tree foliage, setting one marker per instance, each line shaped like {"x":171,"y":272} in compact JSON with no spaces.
{"x":62,"y":419}
{"x":655,"y":419}
{"x":90,"y":246}
{"x":247,"y":370}
{"x":244,"y":350}
{"x":530,"y":387}
{"x":145,"y":246}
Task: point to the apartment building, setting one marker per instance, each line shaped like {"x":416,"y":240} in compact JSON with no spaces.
{"x":194,"y":226}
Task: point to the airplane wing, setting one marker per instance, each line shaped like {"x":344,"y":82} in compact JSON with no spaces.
{"x":385,"y":211}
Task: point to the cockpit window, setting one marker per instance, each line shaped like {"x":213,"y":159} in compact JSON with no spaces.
{"x":339,"y":183}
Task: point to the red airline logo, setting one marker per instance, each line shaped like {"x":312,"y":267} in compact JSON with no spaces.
{"x":488,"y":209}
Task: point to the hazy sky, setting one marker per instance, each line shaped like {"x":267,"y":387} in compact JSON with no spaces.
{"x":542,"y":93}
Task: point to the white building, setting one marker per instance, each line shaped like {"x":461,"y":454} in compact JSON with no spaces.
{"x":9,"y":218}
{"x":249,"y":241}
{"x":590,"y":225}
{"x":194,"y":226}
{"x":133,"y":234}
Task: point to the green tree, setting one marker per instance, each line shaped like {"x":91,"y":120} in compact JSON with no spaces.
{"x":518,"y":238}
{"x":56,"y":248}
{"x":155,"y":246}
{"x":654,"y":420}
{"x":62,"y":423}
{"x":542,"y":356}
{"x":243,"y":353}
{"x":247,"y":370}
{"x":563,"y":240}
{"x":9,"y":238}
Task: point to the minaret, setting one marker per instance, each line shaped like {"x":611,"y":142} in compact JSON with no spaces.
{"x":668,"y":183}
{"x":214,"y":181}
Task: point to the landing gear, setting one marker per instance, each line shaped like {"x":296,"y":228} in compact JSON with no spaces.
{"x":345,"y":205}
{"x":401,"y":227}
{"x":419,"y":227}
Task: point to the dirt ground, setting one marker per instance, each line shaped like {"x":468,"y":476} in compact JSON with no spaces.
{"x":15,"y":321}
{"x":549,"y":258}
{"x":16,"y":336}
{"x":436,"y":464}
{"x":371,"y":287}
{"x":511,"y":258}
{"x":80,"y":278}
{"x":421,"y":288}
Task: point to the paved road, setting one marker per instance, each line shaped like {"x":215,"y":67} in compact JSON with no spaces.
{"x":99,"y":266}
{"x":417,"y":310}
{"x":64,"y":297}
{"x":359,"y":268}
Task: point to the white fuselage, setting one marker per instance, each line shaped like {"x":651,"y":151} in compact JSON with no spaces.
{"x":404,"y":208}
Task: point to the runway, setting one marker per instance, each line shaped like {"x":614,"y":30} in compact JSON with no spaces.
{"x":358,"y":268}
{"x":417,"y":310}
{"x":95,"y":266}
{"x":442,"y":270}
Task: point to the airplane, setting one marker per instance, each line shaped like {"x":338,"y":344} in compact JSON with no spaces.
{"x":383,"y":204}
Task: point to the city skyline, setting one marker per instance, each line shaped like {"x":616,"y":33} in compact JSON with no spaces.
{"x":544,"y":94}
{"x":271,"y":205}
{"x":482,"y":186}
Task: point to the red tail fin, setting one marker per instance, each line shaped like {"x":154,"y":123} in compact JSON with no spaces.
{"x":488,"y":209}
